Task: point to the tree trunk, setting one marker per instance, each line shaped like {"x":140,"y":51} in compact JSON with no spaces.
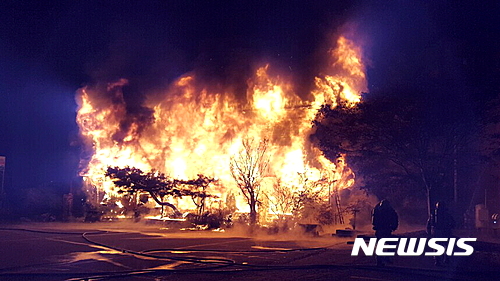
{"x":161,"y":203}
{"x":253,"y":211}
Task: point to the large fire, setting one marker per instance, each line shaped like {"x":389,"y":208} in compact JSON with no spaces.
{"x":195,"y":130}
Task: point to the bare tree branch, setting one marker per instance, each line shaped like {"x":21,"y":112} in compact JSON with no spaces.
{"x":248,"y":168}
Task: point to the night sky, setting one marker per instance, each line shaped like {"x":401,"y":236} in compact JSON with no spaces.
{"x":49,"y":50}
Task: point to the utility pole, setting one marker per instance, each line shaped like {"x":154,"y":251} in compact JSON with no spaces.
{"x":455,"y":173}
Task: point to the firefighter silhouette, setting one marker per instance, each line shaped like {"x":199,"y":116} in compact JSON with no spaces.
{"x":440,"y":225}
{"x":385,"y":221}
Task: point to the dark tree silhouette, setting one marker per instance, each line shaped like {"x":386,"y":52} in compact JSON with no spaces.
{"x":198,"y":191}
{"x":158,"y":185}
{"x":248,"y":168}
{"x":400,"y":147}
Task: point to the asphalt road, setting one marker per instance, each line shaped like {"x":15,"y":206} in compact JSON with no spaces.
{"x":64,"y":252}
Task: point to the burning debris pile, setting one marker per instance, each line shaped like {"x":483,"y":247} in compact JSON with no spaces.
{"x":193,"y":129}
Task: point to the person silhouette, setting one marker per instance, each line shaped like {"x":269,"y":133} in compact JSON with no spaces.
{"x":385,"y":221}
{"x":440,"y":225}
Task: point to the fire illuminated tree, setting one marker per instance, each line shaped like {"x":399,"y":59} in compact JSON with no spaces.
{"x":159,"y":186}
{"x":281,"y":197}
{"x":308,"y":205}
{"x":248,"y":169}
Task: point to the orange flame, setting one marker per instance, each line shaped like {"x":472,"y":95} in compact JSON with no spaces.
{"x":192,"y":130}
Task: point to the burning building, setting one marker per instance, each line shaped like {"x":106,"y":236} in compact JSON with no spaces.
{"x":191,"y":128}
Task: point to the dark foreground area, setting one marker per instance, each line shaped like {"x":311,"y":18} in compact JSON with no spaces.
{"x":141,"y":252}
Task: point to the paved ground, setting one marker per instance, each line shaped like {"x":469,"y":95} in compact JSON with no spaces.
{"x":138,"y":252}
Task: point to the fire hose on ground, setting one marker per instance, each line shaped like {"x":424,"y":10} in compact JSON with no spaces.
{"x":221,"y":265}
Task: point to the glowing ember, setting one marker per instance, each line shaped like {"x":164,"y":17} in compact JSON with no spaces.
{"x":193,"y":130}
